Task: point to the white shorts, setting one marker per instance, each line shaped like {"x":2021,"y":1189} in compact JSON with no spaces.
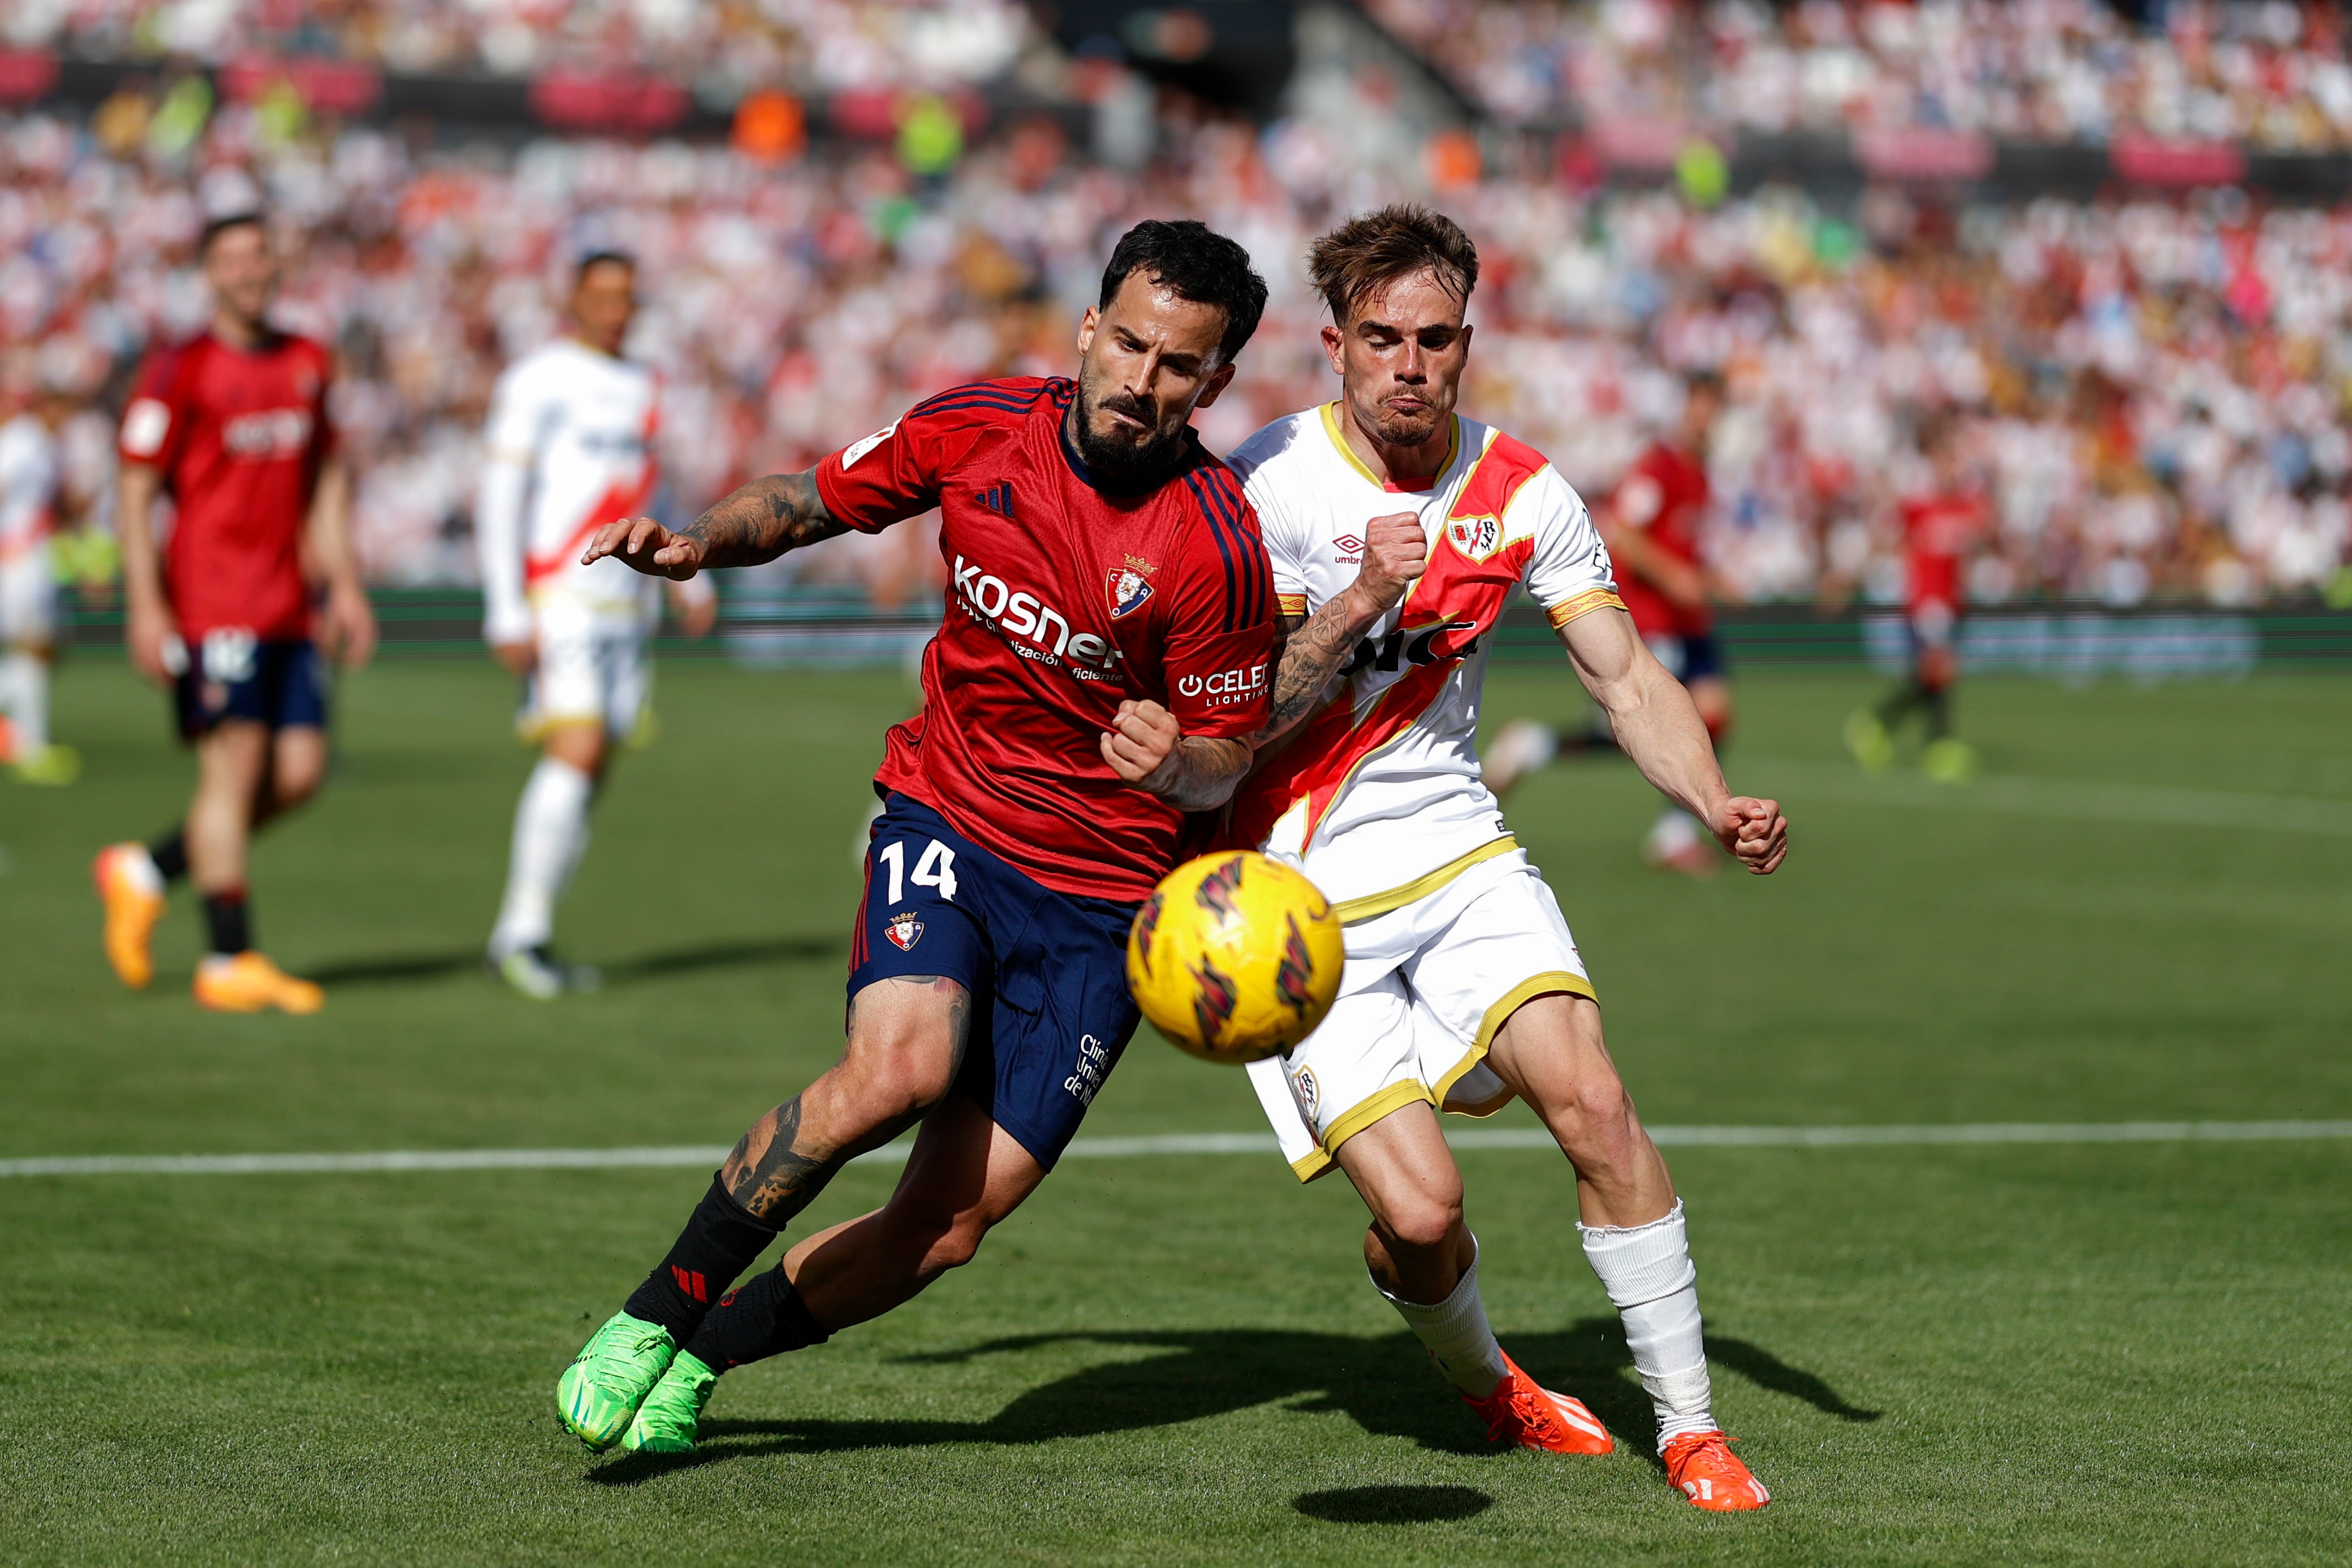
{"x":1425,"y":991}
{"x":592,"y":669}
{"x":28,"y":597}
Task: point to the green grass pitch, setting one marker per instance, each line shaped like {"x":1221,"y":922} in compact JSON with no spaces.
{"x":2063,"y":1354}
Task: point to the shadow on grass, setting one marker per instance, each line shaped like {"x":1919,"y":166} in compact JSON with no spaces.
{"x":1392,"y":1505}
{"x":403,"y":968}
{"x":1384,"y":1384}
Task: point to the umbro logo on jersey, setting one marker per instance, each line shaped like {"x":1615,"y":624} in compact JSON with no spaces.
{"x":998,"y":499}
{"x":1350,"y":549}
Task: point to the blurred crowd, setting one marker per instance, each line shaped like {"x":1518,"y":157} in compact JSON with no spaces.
{"x":719,"y":47}
{"x":2269,"y":73}
{"x":2151,"y":394}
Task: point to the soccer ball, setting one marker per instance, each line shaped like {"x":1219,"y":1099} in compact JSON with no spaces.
{"x":1234,"y":957}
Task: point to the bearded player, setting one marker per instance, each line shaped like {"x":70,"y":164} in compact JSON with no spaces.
{"x":233,"y":426}
{"x":1397,"y":530}
{"x":569,"y":451}
{"x":1104,"y":661}
{"x":1651,"y":526}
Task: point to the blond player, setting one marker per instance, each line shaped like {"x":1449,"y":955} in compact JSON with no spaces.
{"x":570,"y":450}
{"x":1398,"y":530}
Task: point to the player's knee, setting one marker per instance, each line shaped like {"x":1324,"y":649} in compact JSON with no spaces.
{"x":898,"y":1074}
{"x":1422,"y":1221}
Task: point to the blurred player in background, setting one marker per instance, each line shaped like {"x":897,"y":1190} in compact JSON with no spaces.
{"x":232,"y":425}
{"x":31,"y":477}
{"x":1102,"y":666}
{"x":1651,"y":526}
{"x":1942,"y":521}
{"x":570,"y":450}
{"x":1397,"y":531}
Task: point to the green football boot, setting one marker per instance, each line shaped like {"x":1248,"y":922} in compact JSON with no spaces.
{"x":672,"y":1413}
{"x":1867,"y":738}
{"x":600,"y":1390}
{"x":1949,"y":761}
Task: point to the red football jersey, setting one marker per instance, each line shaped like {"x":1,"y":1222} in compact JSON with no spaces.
{"x":1664,"y":495}
{"x":1063,"y":601}
{"x":1936,"y":532}
{"x":239,"y":436}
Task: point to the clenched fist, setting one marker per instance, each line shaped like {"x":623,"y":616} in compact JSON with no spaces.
{"x":1396,"y":552}
{"x":1754,"y":832}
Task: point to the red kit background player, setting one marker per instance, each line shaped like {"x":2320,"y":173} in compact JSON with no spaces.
{"x":232,"y":426}
{"x":1942,"y":524}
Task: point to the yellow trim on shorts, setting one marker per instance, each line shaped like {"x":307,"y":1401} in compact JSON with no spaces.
{"x":1551,"y":982}
{"x":1357,"y":1117}
{"x":1583,"y":604}
{"x":1373,"y":903}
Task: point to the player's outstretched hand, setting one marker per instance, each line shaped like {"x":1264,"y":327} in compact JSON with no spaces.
{"x":1396,"y":551}
{"x":349,"y":627}
{"x":154,"y":643}
{"x":1755,"y":832}
{"x":647,"y":547}
{"x":1140,"y":742}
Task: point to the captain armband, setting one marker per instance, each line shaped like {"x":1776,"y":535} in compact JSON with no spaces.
{"x":1584,"y":603}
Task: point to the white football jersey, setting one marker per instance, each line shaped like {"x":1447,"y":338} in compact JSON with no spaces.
{"x":570,"y":449}
{"x":1381,"y":788}
{"x":29,"y":485}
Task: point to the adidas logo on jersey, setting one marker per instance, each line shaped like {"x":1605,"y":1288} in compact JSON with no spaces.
{"x":1044,"y":630}
{"x":997,"y":498}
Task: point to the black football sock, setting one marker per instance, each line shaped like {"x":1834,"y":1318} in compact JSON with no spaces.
{"x":170,"y":854}
{"x":1938,"y":701}
{"x":765,"y":1318}
{"x":719,"y":1243}
{"x":1899,"y":704}
{"x":226,"y":916}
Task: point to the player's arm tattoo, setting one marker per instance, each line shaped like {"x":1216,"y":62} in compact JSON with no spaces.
{"x":1200,"y":773}
{"x":1314,"y":649}
{"x":762,"y":520}
{"x":776,"y":1169}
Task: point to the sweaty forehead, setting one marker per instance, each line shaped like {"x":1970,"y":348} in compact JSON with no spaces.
{"x":1410,"y":303}
{"x":1156,"y":313}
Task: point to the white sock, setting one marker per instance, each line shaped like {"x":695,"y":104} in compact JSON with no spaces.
{"x":1456,"y":1334}
{"x":550,"y":832}
{"x":1648,"y":1274}
{"x":25,"y":693}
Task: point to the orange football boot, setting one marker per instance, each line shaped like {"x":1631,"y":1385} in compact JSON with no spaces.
{"x":132,"y":908}
{"x":1702,"y":1465}
{"x":1533,"y":1417}
{"x":248,"y":983}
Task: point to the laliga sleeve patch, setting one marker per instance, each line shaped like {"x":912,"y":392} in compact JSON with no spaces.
{"x":857,"y":449}
{"x":144,"y":424}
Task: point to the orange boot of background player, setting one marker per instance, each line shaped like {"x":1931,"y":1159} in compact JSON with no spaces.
{"x":1702,"y":1465}
{"x":132,"y":892}
{"x":249,"y":983}
{"x":1526,"y":1412}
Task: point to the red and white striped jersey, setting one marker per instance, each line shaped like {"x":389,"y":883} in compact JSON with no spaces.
{"x":1381,"y":787}
{"x":570,"y":448}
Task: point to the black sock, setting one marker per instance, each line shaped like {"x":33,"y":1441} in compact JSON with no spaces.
{"x":1897,"y":707}
{"x":719,"y":1243}
{"x":1938,"y":701}
{"x":226,"y":919}
{"x":765,"y":1318}
{"x":170,"y":854}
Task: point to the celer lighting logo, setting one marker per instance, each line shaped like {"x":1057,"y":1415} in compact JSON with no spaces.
{"x":1223,"y":687}
{"x":1034,"y":629}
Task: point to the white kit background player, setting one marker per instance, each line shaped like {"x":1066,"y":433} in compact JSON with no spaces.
{"x":570,"y":449}
{"x":30,"y":478}
{"x":1397,"y":531}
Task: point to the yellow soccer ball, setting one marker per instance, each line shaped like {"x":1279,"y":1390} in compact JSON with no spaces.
{"x":1234,"y":957}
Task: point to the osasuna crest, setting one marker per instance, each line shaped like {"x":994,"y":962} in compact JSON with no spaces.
{"x":1130,"y":586}
{"x":904,"y":930}
{"x":1475,"y":536}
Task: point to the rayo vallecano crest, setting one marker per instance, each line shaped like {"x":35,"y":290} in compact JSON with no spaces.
{"x":1130,"y":586}
{"x":1475,"y":536}
{"x":904,"y":930}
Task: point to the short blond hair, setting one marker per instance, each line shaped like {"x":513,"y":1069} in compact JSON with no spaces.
{"x":1362,"y":255}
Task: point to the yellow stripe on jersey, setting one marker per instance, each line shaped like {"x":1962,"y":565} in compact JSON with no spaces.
{"x":1584,"y":603}
{"x":1358,"y":909}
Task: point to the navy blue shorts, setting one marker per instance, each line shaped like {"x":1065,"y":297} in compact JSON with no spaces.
{"x":1046,"y":970}
{"x":281,"y":686}
{"x":1688,"y":659}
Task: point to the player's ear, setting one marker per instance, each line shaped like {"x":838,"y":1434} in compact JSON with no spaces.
{"x":1086,"y":325}
{"x":1332,"y":339}
{"x":1218,"y":379}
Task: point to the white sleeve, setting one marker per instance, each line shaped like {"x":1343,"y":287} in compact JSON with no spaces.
{"x":1568,"y":571}
{"x":1279,"y":528}
{"x":508,"y":449}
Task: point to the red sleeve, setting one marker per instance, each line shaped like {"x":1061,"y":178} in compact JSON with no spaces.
{"x":896,"y":473}
{"x":1218,"y":653}
{"x":155,"y":421}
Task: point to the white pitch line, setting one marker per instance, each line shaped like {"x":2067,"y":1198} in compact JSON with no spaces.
{"x":2100,"y":802}
{"x":1913,"y":1133}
